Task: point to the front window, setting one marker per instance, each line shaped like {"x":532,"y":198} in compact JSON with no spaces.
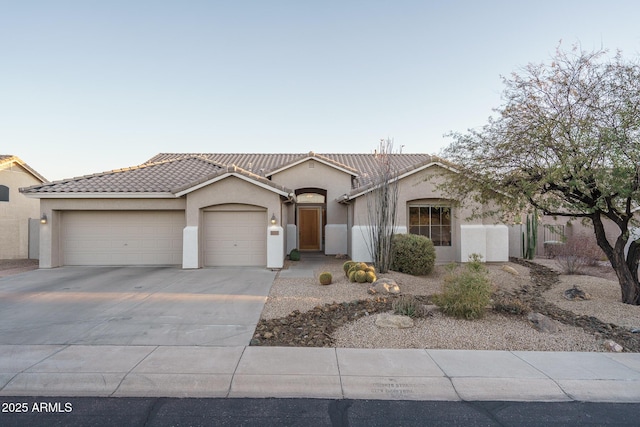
{"x":432,"y":221}
{"x":310,"y":198}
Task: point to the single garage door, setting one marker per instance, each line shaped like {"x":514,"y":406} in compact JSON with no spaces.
{"x":235,"y":238}
{"x":122,"y":237}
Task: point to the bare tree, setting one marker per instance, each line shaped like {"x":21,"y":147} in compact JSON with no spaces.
{"x":382,"y":204}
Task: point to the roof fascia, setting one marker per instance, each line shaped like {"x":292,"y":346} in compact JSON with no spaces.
{"x":26,"y":167}
{"x":76,"y":195}
{"x":237,"y":175}
{"x":307,"y":158}
{"x":348,"y":198}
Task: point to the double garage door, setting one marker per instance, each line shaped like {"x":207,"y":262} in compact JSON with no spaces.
{"x":230,"y":238}
{"x":122,"y":237}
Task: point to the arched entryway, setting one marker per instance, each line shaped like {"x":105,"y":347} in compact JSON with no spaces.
{"x":311,"y":218}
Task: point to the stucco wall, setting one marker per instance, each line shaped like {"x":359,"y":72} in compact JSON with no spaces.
{"x":321,"y":176}
{"x":15,"y":214}
{"x":420,"y":188}
{"x":230,"y":190}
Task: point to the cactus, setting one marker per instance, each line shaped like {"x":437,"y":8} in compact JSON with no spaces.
{"x":294,"y":255}
{"x":352,"y":275}
{"x":530,"y":239}
{"x":325,"y":278}
{"x":370,"y":269}
{"x":371,"y":276}
{"x":347,"y":266}
{"x":360,"y":276}
{"x":361,"y":266}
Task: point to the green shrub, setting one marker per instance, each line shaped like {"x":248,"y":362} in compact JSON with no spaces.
{"x":412,"y":254}
{"x":371,"y":276}
{"x":407,"y":305}
{"x":360,"y":276}
{"x":294,"y":255}
{"x":466,"y":292}
{"x":325,"y":278}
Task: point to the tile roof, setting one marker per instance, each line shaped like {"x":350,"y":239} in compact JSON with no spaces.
{"x":9,"y":158}
{"x":363,"y":165}
{"x":176,"y":172}
{"x":157,"y":177}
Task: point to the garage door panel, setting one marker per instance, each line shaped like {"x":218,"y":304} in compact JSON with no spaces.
{"x":122,"y":238}
{"x":235,"y":238}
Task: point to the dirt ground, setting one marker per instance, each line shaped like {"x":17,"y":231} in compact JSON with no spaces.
{"x":10,"y":267}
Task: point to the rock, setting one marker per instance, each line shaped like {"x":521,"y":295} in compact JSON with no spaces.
{"x":386,"y":320}
{"x":510,"y":270}
{"x":576,"y":294}
{"x":542,"y":323}
{"x":341,"y":256}
{"x":428,"y":310}
{"x":612,"y":346}
{"x":267,"y":335}
{"x":384,"y":287}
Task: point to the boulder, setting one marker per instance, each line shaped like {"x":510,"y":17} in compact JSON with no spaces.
{"x":387,"y":320}
{"x":612,"y":346}
{"x":384,"y":287}
{"x":576,"y":294}
{"x":510,"y":270}
{"x":543,"y":324}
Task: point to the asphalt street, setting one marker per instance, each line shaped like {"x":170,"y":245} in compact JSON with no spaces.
{"x":95,"y":412}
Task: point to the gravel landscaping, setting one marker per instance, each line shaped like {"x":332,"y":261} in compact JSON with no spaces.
{"x":301,"y":312}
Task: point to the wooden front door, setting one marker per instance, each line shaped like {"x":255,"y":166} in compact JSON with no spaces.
{"x":309,"y":229}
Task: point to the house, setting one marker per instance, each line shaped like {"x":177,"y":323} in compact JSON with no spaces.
{"x":16,"y":210}
{"x":203,"y":210}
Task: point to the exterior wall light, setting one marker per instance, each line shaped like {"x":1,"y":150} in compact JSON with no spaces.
{"x":273,"y":219}
{"x":43,"y":219}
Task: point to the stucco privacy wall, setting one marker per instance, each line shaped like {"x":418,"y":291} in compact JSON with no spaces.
{"x":314,"y":174}
{"x":15,"y":214}
{"x":50,"y":248}
{"x":241,"y":193}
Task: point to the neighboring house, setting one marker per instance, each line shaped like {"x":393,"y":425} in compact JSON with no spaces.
{"x":202,"y":210}
{"x":15,"y":208}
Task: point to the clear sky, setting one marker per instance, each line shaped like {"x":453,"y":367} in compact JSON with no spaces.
{"x":94,"y":85}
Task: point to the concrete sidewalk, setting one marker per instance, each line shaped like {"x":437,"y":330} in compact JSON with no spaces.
{"x":187,"y":371}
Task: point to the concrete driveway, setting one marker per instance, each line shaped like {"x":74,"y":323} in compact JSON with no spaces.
{"x":133,"y":306}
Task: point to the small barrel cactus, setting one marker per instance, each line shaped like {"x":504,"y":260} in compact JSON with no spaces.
{"x":294,"y":255}
{"x":325,"y":278}
{"x":360,"y":276}
{"x":361,"y":266}
{"x":371,"y":276}
{"x":347,"y":266}
{"x":352,"y":275}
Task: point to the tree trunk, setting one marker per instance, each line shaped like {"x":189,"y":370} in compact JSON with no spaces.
{"x":626,"y":269}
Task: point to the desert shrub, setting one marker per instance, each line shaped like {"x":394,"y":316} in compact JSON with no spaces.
{"x":407,"y":305}
{"x":325,"y":278}
{"x":361,"y":276}
{"x":294,"y":255}
{"x":347,"y":266}
{"x":412,"y":254}
{"x":371,"y":276}
{"x":576,"y":253}
{"x":466,"y":291}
